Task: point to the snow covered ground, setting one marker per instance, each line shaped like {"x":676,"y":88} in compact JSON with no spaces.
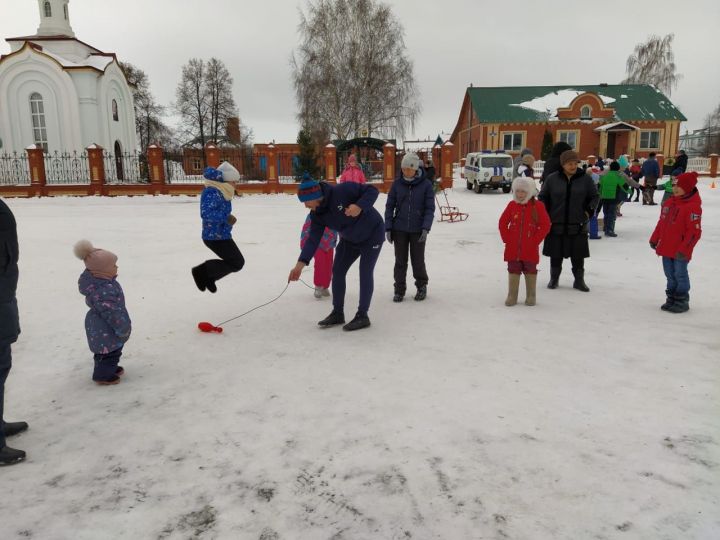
{"x":589,"y":416}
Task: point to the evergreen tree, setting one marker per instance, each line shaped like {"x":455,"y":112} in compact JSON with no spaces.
{"x":547,"y":145}
{"x":308,"y":157}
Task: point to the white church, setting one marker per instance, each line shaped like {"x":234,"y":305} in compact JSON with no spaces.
{"x":61,"y":93}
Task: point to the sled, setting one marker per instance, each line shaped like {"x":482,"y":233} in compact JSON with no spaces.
{"x":449,"y":213}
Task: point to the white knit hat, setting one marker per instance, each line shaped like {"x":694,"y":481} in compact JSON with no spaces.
{"x":230,"y":173}
{"x":410,"y":161}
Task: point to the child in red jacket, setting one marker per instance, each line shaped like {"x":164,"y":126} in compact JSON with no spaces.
{"x":675,"y":236}
{"x":523,"y":225}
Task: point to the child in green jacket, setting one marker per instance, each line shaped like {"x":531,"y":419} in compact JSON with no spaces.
{"x":611,"y":183}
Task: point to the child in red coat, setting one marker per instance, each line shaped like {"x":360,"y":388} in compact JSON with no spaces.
{"x":523,"y":225}
{"x":675,"y":236}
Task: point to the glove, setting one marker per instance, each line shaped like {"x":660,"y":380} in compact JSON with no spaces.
{"x":680,"y":257}
{"x":388,"y":235}
{"x":423,"y":236}
{"x":653,"y":245}
{"x":231,"y":220}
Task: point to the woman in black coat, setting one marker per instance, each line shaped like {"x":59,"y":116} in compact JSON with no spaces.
{"x":570,"y":197}
{"x":552,"y":164}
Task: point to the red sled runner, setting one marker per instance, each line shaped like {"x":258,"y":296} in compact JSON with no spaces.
{"x":449,"y":213}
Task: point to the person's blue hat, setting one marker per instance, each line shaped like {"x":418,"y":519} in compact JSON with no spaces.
{"x":309,"y":189}
{"x":211,"y":173}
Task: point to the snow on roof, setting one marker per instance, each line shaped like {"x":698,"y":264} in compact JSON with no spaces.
{"x":418,"y":145}
{"x":606,"y":127}
{"x":550,"y":103}
{"x":95,"y":61}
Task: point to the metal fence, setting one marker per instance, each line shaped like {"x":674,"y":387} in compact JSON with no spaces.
{"x":175,"y":170}
{"x":126,"y":168}
{"x":14,"y":170}
{"x":67,"y":168}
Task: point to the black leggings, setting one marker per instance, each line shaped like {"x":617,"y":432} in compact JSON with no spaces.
{"x":578,"y":263}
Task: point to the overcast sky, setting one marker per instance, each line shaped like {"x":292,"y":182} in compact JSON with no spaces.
{"x":452,"y":42}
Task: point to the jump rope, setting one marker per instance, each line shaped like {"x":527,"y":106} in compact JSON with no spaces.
{"x":210,"y":328}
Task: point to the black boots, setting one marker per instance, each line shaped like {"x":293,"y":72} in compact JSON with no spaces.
{"x":555,"y":272}
{"x":10,"y":456}
{"x":360,"y":321}
{"x":680,"y":304}
{"x":201,"y":279}
{"x":669,"y":300}
{"x":335,"y":318}
{"x":13,"y":428}
{"x":398,"y":297}
{"x":579,"y":282}
{"x":421,"y":293}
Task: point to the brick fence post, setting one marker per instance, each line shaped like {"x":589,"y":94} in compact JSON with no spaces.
{"x":36,"y":164}
{"x":388,"y":165}
{"x":156,"y":168}
{"x":436,"y":156}
{"x":330,"y":155}
{"x":447,"y":165}
{"x":212,"y":155}
{"x":96,"y":165}
{"x":713,"y":165}
{"x":273,"y":185}
{"x":462,"y":167}
{"x":661,"y":162}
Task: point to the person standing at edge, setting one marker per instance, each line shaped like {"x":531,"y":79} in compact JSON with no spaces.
{"x":570,"y":197}
{"x":409,"y":213}
{"x":9,"y":325}
{"x":348,"y":209}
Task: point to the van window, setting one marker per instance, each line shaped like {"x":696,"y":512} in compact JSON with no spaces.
{"x":496,"y":161}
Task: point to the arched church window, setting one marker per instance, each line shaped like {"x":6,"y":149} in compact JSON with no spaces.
{"x":48,"y":9}
{"x":586,"y":112}
{"x":116,"y":117}
{"x":65,"y":11}
{"x":37,"y":114}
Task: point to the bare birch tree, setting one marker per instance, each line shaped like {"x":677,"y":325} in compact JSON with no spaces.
{"x":148,"y":113}
{"x":653,"y":62}
{"x":351,"y":71}
{"x":192,"y":103}
{"x":712,"y":130}
{"x":205,"y":102}
{"x":219,"y":84}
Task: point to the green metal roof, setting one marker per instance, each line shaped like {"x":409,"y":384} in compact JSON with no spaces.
{"x":632,"y":102}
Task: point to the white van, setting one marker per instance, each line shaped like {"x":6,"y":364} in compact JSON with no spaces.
{"x":488,"y":170}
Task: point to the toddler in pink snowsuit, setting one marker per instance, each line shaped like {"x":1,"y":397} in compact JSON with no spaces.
{"x":323,"y":258}
{"x":352,"y":172}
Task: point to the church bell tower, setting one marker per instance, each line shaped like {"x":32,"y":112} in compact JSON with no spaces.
{"x":54,"y":18}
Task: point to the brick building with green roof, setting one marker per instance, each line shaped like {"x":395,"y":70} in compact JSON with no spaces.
{"x":601,"y":120}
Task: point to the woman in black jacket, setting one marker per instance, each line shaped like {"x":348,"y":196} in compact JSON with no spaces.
{"x":409,"y":214}
{"x":570,"y":197}
{"x":553,"y":162}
